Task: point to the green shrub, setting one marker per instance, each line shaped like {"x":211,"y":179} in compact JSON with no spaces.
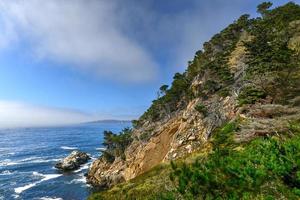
{"x":250,"y":94}
{"x":224,"y":92}
{"x":201,"y":108}
{"x":211,"y":86}
{"x":266,"y":168}
{"x":116,"y":144}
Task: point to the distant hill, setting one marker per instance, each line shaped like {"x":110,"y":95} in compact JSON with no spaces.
{"x":109,"y":121}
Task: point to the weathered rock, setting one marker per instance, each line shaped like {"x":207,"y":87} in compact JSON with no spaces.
{"x":104,"y":175}
{"x":73,"y":161}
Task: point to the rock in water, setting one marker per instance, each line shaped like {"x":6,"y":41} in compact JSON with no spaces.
{"x":73,"y":161}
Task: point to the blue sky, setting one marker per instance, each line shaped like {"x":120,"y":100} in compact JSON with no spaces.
{"x":76,"y":60}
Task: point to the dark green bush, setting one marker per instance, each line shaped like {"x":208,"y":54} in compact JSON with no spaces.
{"x":116,"y":144}
{"x":224,"y":92}
{"x":201,"y":108}
{"x":266,"y":168}
{"x":211,"y":86}
{"x":250,"y":94}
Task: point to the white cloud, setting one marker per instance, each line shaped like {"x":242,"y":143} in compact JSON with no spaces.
{"x":18,"y":114}
{"x":84,"y":34}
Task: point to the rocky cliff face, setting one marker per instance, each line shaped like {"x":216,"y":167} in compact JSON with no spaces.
{"x":188,"y":128}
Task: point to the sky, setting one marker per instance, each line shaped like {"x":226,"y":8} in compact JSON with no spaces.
{"x":72,"y":61}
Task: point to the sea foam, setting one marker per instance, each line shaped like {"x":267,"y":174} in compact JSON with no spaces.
{"x":6,"y":172}
{"x":68,"y":148}
{"x":47,"y":177}
{"x":50,"y":198}
{"x":86,"y":166}
{"x":8,"y":162}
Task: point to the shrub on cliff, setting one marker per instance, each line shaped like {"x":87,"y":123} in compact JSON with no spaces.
{"x":201,"y":109}
{"x":250,"y":94}
{"x":266,"y":168}
{"x":273,"y":63}
{"x":116,"y":144}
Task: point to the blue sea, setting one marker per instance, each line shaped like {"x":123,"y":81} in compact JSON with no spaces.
{"x":28,"y":156}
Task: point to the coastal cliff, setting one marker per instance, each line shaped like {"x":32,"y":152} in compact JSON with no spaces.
{"x":247,"y":75}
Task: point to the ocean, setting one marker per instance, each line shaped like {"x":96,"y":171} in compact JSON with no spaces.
{"x":28,"y":156}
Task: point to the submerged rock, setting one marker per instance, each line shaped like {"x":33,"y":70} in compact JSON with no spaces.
{"x":73,"y":161}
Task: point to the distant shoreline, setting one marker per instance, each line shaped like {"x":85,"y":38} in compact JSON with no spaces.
{"x":108,"y":121}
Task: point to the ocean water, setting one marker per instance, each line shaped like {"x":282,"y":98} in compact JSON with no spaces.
{"x":28,"y":156}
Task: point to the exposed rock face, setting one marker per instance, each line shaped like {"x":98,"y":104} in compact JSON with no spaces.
{"x":104,"y":175}
{"x":73,"y":161}
{"x":182,"y":134}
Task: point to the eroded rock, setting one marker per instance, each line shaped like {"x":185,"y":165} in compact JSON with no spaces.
{"x":73,"y":161}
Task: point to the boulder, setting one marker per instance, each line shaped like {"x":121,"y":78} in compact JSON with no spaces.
{"x":73,"y":161}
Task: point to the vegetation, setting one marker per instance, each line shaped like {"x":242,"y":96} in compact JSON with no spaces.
{"x":116,"y":144}
{"x":201,"y":108}
{"x":169,"y":102}
{"x":273,"y":65}
{"x":151,"y":185}
{"x":266,"y":168}
{"x":250,"y":94}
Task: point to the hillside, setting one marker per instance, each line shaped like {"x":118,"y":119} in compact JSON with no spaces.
{"x":227,"y":128}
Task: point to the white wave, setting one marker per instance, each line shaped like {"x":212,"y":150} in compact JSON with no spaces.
{"x":93,"y":158}
{"x":50,"y":198}
{"x":16,"y":196}
{"x":37,"y":174}
{"x":101,"y":149}
{"x":68,"y":148}
{"x":8,"y":162}
{"x":19,"y":190}
{"x":50,"y":176}
{"x":6,"y":172}
{"x":47,"y":177}
{"x":83,"y":167}
{"x":82,"y":179}
{"x":30,"y":159}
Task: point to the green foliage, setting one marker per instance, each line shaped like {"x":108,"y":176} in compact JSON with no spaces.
{"x":211,"y":86}
{"x":270,"y":59}
{"x":224,"y":92}
{"x":266,"y":168}
{"x":148,"y":186}
{"x":135,"y":123}
{"x":250,"y":94}
{"x":116,"y":144}
{"x":201,"y":108}
{"x":263,"y":8}
{"x":169,"y":102}
{"x":163,"y":89}
{"x":224,"y":135}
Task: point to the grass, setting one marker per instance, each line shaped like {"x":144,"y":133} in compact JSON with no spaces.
{"x":146,"y":186}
